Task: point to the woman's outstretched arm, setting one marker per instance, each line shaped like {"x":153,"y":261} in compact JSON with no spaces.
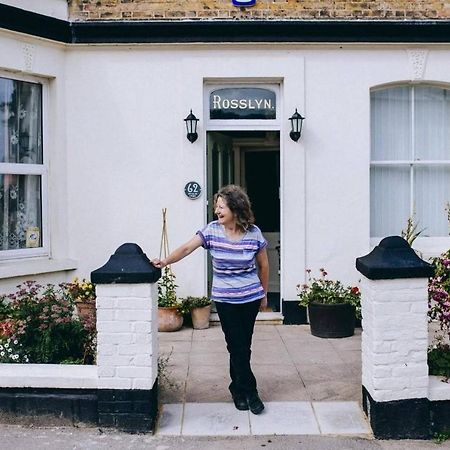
{"x":182,"y":251}
{"x":262,"y":262}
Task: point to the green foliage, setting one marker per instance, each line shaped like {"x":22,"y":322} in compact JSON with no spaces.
{"x":167,"y":289}
{"x":43,"y":322}
{"x":410,"y":233}
{"x":439,"y":360}
{"x":323,"y":290}
{"x":441,"y":437}
{"x":198,"y":302}
{"x":439,"y":292}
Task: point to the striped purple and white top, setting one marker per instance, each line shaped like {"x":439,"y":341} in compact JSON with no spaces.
{"x":235,"y":277}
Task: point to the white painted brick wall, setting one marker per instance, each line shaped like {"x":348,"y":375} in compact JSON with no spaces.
{"x":127,"y":344}
{"x":394,"y":338}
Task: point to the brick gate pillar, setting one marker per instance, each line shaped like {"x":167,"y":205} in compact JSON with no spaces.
{"x":395,"y":340}
{"x":127,"y":340}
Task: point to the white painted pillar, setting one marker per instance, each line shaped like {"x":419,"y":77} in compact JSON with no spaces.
{"x":394,"y":294}
{"x":127,"y":344}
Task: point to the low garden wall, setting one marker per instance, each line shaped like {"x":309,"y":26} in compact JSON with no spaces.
{"x":121,"y":391}
{"x":399,"y":398}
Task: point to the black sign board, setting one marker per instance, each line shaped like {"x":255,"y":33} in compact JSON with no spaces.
{"x":242,"y":103}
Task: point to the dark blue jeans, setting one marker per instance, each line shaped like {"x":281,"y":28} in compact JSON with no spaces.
{"x":238,"y":321}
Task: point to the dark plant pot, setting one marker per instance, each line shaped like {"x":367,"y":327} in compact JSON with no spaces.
{"x":331,"y":321}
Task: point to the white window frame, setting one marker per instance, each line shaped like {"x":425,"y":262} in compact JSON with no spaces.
{"x":32,"y":169}
{"x":430,"y":245}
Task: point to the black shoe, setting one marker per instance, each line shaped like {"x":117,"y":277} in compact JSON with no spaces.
{"x":255,"y":404}
{"x":240,"y":402}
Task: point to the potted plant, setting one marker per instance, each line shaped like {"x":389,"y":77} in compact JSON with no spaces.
{"x":170,"y":309}
{"x":83,"y":294}
{"x":332,"y":307}
{"x":200,"y":311}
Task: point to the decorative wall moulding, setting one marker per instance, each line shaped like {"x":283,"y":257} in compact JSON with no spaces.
{"x":417,"y":60}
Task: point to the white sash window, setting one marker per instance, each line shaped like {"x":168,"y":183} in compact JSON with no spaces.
{"x":410,"y":160}
{"x":22,"y":169}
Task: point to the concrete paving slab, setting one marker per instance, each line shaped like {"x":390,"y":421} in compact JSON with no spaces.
{"x":214,"y":419}
{"x":341,"y":418}
{"x":285,"y":418}
{"x":269,"y":352}
{"x":208,"y":383}
{"x":213,"y":333}
{"x":209,"y":359}
{"x":324,"y":372}
{"x":169,"y":423}
{"x":334,"y":390}
{"x":286,"y":386}
{"x":184,"y":334}
{"x":204,"y":347}
{"x":175,"y":346}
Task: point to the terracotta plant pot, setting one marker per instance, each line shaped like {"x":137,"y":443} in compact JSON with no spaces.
{"x":86,"y":310}
{"x":169,"y":319}
{"x":200,"y":317}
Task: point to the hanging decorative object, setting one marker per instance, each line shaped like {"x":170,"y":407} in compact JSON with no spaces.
{"x":244,"y":2}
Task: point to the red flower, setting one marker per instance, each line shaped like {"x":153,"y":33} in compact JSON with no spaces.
{"x":354,"y":290}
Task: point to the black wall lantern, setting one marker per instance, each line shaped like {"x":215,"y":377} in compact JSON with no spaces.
{"x":296,"y":125}
{"x":191,"y":127}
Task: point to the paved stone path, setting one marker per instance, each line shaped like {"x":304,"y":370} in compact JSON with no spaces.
{"x":311,"y":386}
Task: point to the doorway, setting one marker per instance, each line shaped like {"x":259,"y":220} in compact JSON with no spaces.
{"x":250,"y":159}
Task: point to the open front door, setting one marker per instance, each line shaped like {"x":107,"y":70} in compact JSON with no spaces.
{"x":250,"y":159}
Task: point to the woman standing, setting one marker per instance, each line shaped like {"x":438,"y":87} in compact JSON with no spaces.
{"x":240,"y":281}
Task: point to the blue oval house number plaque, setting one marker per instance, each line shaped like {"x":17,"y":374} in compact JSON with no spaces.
{"x":192,"y":190}
{"x":244,"y":2}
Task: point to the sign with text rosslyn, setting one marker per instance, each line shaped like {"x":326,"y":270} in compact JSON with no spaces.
{"x":244,"y":2}
{"x":242,"y":103}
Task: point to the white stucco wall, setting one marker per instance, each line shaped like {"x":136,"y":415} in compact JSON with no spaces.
{"x":117,"y":115}
{"x":53,"y":8}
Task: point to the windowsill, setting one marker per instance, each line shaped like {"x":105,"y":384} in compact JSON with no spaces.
{"x":36,"y":266}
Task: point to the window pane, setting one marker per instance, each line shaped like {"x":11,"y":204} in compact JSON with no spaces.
{"x":431,"y":193}
{"x":20,"y":211}
{"x":389,"y":200}
{"x":20,"y":122}
{"x":391,"y":124}
{"x":432,"y":123}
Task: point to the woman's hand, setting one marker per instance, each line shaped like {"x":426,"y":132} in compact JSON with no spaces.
{"x":158,"y":263}
{"x":263,"y":305}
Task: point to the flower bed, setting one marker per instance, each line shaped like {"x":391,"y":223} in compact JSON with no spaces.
{"x":439,"y":312}
{"x":39,"y":324}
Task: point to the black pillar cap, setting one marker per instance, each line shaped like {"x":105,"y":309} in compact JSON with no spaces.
{"x":129,"y":264}
{"x":393,"y":258}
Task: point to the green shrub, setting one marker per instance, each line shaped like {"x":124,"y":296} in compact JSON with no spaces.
{"x":43,"y":322}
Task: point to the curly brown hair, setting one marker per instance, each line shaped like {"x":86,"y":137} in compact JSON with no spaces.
{"x":239,"y":203}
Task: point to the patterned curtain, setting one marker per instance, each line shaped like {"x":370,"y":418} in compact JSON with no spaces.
{"x":20,"y":147}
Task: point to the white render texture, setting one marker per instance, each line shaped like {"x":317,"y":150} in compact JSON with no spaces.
{"x":127,"y":345}
{"x":52,"y":8}
{"x":394,"y":338}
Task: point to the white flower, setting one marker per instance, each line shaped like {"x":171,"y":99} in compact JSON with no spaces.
{"x":2,"y":353}
{"x":1,"y":347}
{"x":14,"y":138}
{"x":9,"y":350}
{"x":16,"y":342}
{"x":7,"y":344}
